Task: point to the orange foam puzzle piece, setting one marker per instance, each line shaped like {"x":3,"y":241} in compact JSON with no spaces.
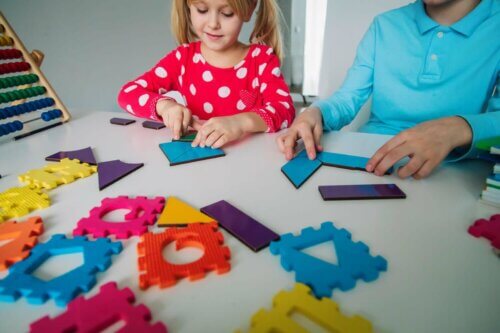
{"x":23,"y":235}
{"x":156,"y":271}
{"x":177,"y":212}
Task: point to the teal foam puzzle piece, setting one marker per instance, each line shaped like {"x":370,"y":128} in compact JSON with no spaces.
{"x":179,"y":152}
{"x":345,"y":161}
{"x":300,"y":168}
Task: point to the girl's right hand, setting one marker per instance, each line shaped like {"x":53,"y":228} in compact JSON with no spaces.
{"x":175,"y":116}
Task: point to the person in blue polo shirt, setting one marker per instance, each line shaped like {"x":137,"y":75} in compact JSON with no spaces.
{"x":432,"y":68}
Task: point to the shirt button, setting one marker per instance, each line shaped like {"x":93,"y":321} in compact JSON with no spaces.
{"x":440,"y":34}
{"x":434,"y":57}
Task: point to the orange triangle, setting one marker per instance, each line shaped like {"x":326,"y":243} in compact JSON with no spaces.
{"x":177,"y":212}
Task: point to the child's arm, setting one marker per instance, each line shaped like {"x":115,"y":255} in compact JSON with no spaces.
{"x":275,"y":111}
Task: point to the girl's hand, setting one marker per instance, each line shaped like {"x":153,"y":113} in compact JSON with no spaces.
{"x":175,"y":116}
{"x":309,"y":127}
{"x":218,"y":131}
{"x":426,"y":144}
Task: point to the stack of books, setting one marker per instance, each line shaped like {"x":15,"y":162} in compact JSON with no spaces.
{"x":490,"y":150}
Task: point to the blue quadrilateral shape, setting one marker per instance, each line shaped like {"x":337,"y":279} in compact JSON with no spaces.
{"x":64,"y":288}
{"x":300,"y":168}
{"x":354,"y":260}
{"x":345,"y":161}
{"x":179,"y":152}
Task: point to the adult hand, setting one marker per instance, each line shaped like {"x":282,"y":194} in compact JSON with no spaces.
{"x":175,"y":116}
{"x":218,"y":131}
{"x":426,"y":144}
{"x":309,"y":127}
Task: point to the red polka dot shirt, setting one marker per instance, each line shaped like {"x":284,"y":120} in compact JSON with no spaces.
{"x":253,"y":85}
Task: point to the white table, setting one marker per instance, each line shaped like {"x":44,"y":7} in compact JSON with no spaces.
{"x":439,"y":278}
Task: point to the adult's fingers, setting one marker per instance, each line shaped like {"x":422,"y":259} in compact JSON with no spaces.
{"x":317,"y":133}
{"x":426,"y":169}
{"x":383,"y":151}
{"x":307,"y":136}
{"x":411,"y":167}
{"x":391,"y":157}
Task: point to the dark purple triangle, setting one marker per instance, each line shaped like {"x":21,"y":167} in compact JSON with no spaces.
{"x":112,"y":171}
{"x":84,"y":155}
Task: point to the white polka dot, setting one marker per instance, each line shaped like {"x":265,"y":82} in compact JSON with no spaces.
{"x":255,"y":83}
{"x":178,"y":55}
{"x":261,"y":68}
{"x":269,"y":51}
{"x":276,"y":71}
{"x":129,"y":109}
{"x":270,"y":108}
{"x":263,"y":87}
{"x":207,"y":76}
{"x":192,"y":89}
{"x":285,"y":104}
{"x":255,"y":52}
{"x":281,"y":92}
{"x":224,"y":92}
{"x":196,"y":58}
{"x":161,"y":72}
{"x":180,"y":81}
{"x":142,"y":83}
{"x":239,"y":64}
{"x":183,"y":70}
{"x":208,"y":107}
{"x":143,"y":99}
{"x":241,"y":73}
{"x":130,"y":88}
{"x":284,"y":124}
{"x":240,"y":105}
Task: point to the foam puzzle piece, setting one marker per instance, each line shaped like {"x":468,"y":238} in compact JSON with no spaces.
{"x":177,"y":212}
{"x":64,"y":288}
{"x":156,"y":271}
{"x":153,"y":125}
{"x":112,"y":171}
{"x":72,"y":168}
{"x":179,"y":152}
{"x":20,"y":201}
{"x":23,"y":236}
{"x":142,"y":213}
{"x":43,"y":179}
{"x":354,"y":260}
{"x":300,"y":168}
{"x":325,"y":313}
{"x":345,"y":161}
{"x":99,"y":312}
{"x":249,"y":231}
{"x":489,"y":229}
{"x":84,"y":155}
{"x":121,"y":121}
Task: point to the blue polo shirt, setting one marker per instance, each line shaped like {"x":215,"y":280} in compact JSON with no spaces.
{"x":418,"y":70}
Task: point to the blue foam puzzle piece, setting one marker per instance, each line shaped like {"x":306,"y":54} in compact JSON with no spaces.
{"x":179,"y":152}
{"x":345,"y":161}
{"x":300,"y":168}
{"x":64,"y":288}
{"x":354,"y":260}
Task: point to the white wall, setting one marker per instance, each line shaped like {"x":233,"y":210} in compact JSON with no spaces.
{"x":347,"y":21}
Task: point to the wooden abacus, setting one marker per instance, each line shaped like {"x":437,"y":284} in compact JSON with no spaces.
{"x":28,"y":103}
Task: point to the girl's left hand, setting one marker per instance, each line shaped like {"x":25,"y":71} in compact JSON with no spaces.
{"x":218,"y":131}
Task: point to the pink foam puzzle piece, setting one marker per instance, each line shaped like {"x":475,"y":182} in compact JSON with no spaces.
{"x":143,"y":212}
{"x":489,"y":229}
{"x":97,"y":313}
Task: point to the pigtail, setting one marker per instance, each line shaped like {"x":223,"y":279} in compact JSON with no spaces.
{"x":181,"y":22}
{"x":267,"y":27}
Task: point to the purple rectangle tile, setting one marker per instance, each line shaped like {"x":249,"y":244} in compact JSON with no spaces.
{"x":249,"y":231}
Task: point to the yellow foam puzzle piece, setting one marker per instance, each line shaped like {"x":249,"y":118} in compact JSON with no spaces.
{"x":177,"y":212}
{"x":43,"y":179}
{"x":19,"y":201}
{"x":72,"y":168}
{"x":324,"y":312}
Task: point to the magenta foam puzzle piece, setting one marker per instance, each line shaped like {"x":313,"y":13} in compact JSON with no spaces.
{"x":97,"y":313}
{"x":142,"y":213}
{"x":489,"y":229}
{"x":84,"y":155}
{"x":112,"y":171}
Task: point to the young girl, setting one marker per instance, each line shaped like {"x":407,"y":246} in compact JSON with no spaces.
{"x":236,"y":88}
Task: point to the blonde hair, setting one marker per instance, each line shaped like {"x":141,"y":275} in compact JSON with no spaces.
{"x":266,"y":29}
